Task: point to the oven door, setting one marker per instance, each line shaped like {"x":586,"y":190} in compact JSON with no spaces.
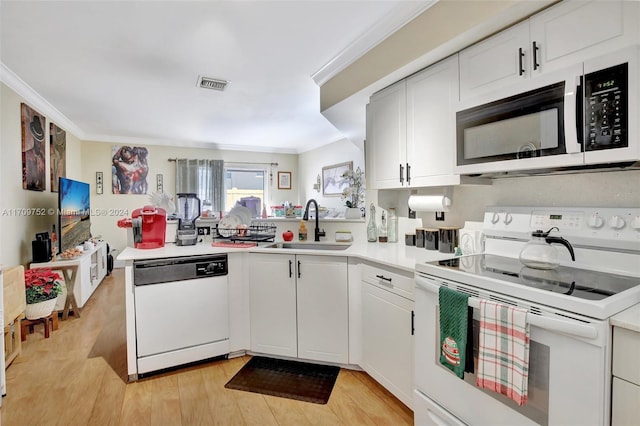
{"x":568,"y":366}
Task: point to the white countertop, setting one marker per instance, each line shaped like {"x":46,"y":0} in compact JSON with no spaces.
{"x":629,"y":318}
{"x":391,"y":254}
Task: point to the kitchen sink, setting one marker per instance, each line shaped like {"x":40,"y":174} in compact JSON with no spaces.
{"x":309,"y":246}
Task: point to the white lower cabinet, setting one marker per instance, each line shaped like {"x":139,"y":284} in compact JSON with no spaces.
{"x":625,"y":399}
{"x":299,"y":306}
{"x":388,"y":341}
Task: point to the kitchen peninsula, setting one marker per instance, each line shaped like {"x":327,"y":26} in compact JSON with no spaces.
{"x":357,"y":261}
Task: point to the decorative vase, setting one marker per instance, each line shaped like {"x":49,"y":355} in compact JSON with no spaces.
{"x":40,"y":309}
{"x":352,"y":213}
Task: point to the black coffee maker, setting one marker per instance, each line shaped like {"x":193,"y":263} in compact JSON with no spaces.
{"x":41,"y":248}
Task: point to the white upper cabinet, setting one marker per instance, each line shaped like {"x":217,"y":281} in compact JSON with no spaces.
{"x":388,"y":135}
{"x":563,"y":35}
{"x":411,"y":130}
{"x":574,"y":31}
{"x":496,"y":62}
{"x":431,"y":127}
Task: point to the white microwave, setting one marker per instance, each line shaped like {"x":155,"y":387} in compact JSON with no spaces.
{"x":581,"y":116}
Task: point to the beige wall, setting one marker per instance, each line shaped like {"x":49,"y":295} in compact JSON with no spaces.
{"x":96,"y":156}
{"x":443,"y":29}
{"x":18,"y":230}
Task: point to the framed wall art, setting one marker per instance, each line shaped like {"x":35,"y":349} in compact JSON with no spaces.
{"x":33,"y":149}
{"x":332,"y":181}
{"x":284,"y":180}
{"x":57,"y":154}
{"x":130,"y":169}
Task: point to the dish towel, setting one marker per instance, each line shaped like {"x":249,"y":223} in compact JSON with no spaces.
{"x":454,"y":321}
{"x":503,"y":358}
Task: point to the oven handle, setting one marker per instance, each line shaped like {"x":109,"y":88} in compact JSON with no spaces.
{"x":567,"y":327}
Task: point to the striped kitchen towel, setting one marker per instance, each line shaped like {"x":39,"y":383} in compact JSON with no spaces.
{"x":503,"y":359}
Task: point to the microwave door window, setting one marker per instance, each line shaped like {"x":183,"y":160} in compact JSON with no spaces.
{"x":524,"y":136}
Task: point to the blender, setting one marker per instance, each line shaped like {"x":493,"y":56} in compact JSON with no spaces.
{"x":188,"y":206}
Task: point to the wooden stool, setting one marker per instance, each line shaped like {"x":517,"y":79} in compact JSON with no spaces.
{"x":50,"y":321}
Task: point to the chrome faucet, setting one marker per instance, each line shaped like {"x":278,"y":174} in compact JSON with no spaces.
{"x":316,"y":232}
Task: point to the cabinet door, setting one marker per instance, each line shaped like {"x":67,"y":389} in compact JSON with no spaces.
{"x":573,"y":31}
{"x":388,"y":135}
{"x":495,"y":62}
{"x":431,"y":133}
{"x":625,"y":409}
{"x":387,"y":340}
{"x":272,"y":292}
{"x":323,"y":323}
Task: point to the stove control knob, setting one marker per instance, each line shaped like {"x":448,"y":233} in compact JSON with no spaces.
{"x":616,"y":222}
{"x":635,"y":223}
{"x":495,"y":218}
{"x":507,"y":219}
{"x":595,"y":221}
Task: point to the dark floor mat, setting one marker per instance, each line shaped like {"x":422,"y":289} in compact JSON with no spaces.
{"x":286,"y":379}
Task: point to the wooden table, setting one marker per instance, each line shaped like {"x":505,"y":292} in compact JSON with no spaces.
{"x":69,"y":271}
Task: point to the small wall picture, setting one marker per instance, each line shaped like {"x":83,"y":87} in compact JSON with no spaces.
{"x":57,"y":154}
{"x":33,"y":149}
{"x":284,"y":180}
{"x":333,"y":183}
{"x":130,"y":167}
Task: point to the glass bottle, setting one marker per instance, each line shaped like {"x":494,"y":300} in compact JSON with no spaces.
{"x":372,"y":228}
{"x":382,"y":229}
{"x":392,"y":226}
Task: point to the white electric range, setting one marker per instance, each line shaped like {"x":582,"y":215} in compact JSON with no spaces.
{"x":569,"y":310}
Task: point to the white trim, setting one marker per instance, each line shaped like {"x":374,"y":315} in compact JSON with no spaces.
{"x":389,"y":24}
{"x":35,"y":100}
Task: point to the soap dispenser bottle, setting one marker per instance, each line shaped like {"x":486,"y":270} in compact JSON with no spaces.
{"x":302,"y":232}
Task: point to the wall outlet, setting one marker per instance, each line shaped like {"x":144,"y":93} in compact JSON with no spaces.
{"x":204,"y":230}
{"x":439,"y":216}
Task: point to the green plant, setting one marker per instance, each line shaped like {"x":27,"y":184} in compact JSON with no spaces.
{"x":41,"y":284}
{"x":354,"y":193}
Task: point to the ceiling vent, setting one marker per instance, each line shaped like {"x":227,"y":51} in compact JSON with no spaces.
{"x":212,"y":83}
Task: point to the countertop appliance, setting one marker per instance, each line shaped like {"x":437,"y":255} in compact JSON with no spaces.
{"x":181,"y":310}
{"x":573,"y":117}
{"x":188,"y":212}
{"x":148,"y":226}
{"x":568,"y":314}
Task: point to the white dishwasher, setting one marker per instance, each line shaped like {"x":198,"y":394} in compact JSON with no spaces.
{"x":181,"y":310}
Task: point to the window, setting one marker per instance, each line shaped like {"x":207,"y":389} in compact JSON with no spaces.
{"x":246,"y":186}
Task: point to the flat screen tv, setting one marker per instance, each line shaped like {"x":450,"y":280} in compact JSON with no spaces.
{"x":74,"y":219}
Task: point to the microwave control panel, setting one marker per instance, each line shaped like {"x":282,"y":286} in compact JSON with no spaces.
{"x":606,"y":94}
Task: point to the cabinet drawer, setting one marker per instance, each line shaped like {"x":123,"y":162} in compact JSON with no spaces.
{"x":395,"y":280}
{"x":626,"y":347}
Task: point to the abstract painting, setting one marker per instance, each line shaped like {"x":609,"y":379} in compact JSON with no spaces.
{"x":57,"y":154}
{"x":33,"y":149}
{"x":130,"y":166}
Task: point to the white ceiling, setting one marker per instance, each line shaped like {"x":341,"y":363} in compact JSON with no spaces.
{"x":126,"y":71}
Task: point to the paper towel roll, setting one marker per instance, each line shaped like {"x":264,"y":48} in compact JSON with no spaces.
{"x":429,"y":203}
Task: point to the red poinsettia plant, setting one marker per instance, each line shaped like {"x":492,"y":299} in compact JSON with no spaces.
{"x":41,"y":284}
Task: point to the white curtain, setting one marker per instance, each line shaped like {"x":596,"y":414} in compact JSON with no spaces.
{"x":202,"y":177}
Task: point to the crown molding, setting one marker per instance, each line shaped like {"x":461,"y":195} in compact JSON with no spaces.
{"x":392,"y":22}
{"x":35,"y":100}
{"x":145,"y":141}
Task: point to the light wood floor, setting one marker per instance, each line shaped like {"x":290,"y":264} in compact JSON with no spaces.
{"x":78,"y":377}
